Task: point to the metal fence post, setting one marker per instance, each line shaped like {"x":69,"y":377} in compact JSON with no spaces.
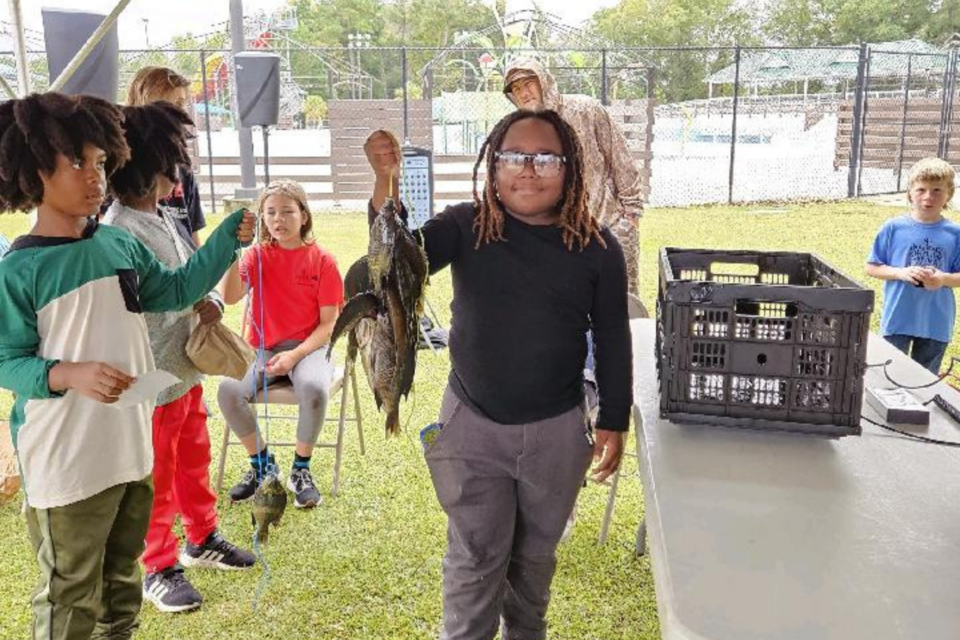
{"x":858,"y":98}
{"x":733,"y":127}
{"x":406,"y":112}
{"x":946,"y":112}
{"x":903,"y":123}
{"x":863,"y":126}
{"x":604,"y":87}
{"x":206,"y":121}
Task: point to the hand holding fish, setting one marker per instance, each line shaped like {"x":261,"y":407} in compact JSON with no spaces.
{"x":245,"y":230}
{"x":383,"y":154}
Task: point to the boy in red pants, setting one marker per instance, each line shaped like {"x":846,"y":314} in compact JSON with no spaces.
{"x":157,"y":137}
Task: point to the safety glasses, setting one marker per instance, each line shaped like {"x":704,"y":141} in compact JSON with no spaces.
{"x":545,"y":165}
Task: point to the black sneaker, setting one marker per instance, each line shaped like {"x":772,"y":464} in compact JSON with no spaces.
{"x":305,"y":493}
{"x":216,"y":553}
{"x":170,"y":591}
{"x":244,"y":489}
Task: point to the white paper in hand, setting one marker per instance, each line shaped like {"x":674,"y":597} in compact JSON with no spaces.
{"x":146,"y":389}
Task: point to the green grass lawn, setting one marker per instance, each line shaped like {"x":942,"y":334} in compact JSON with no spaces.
{"x":366,"y":564}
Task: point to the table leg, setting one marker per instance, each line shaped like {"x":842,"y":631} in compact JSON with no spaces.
{"x":641,"y":544}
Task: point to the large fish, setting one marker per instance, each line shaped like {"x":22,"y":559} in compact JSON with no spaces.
{"x":269,"y":503}
{"x":385,"y":290}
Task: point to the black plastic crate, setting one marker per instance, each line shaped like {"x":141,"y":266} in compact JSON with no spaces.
{"x":762,"y":340}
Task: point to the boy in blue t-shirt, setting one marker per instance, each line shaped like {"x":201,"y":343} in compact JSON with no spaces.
{"x":918,"y":254}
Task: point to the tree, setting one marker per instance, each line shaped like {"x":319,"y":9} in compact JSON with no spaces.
{"x":315,"y":109}
{"x":691,"y":23}
{"x":434,"y":23}
{"x":945,"y":21}
{"x":840,"y":22}
{"x":328,"y":23}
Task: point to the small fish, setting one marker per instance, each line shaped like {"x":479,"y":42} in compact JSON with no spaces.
{"x":269,"y":503}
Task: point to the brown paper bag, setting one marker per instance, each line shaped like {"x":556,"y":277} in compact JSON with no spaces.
{"x":9,"y":469}
{"x":217,"y":351}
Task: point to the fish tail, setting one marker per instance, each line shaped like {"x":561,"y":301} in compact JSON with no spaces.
{"x":393,"y":422}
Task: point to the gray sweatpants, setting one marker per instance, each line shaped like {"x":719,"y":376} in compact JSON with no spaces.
{"x":311,"y":378}
{"x":507,"y":491}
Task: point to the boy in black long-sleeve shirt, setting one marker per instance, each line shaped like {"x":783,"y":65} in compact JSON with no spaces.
{"x":532,"y":272}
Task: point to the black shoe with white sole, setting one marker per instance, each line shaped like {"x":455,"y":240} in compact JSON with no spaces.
{"x":170,"y":591}
{"x":247,"y":486}
{"x":216,"y":553}
{"x":305,"y":494}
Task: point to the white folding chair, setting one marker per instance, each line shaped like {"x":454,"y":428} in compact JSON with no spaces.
{"x":281,"y":393}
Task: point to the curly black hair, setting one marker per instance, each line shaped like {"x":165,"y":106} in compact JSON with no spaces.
{"x":158,"y":135}
{"x":578,"y":224}
{"x":36,"y":129}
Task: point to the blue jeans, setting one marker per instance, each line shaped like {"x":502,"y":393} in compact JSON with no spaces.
{"x":927,"y":351}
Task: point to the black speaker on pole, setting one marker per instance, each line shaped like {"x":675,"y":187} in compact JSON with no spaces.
{"x":258,"y":88}
{"x":65,"y":32}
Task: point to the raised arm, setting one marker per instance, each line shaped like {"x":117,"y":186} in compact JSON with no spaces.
{"x":162,"y":289}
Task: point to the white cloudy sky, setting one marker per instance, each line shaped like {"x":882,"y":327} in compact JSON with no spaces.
{"x":166,"y":18}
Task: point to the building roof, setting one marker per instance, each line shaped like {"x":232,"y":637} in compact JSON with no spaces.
{"x":770,"y":66}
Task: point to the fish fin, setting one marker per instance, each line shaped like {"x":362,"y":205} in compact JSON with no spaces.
{"x":358,"y":278}
{"x":356,"y":309}
{"x":407,"y":367}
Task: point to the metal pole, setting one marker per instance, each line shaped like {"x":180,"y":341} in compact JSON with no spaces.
{"x":248,"y":176}
{"x":7,"y":89}
{"x":266,"y":155}
{"x":206,"y":119}
{"x":903,"y":123}
{"x":733,"y":128}
{"x":863,"y":126}
{"x":88,"y":48}
{"x":604,"y":88}
{"x":948,"y":111}
{"x":945,"y":91}
{"x":19,"y":48}
{"x":858,"y":99}
{"x":406,"y":114}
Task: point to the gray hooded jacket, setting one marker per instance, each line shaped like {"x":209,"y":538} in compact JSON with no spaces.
{"x":169,"y":331}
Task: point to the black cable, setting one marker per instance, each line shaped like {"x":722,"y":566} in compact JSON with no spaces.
{"x":886,"y":374}
{"x":913,"y":436}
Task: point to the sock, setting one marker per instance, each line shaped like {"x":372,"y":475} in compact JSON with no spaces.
{"x":301,"y":462}
{"x":260,"y":460}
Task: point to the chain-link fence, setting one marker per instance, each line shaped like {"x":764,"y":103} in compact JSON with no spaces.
{"x":706,"y":125}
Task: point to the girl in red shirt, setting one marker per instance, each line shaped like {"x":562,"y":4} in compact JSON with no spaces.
{"x":295,"y":297}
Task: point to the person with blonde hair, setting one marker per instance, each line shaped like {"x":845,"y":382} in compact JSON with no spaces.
{"x":156,"y":84}
{"x":295,"y":298}
{"x":917,"y":254}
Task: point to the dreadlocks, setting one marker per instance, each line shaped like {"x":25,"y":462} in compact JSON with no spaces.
{"x":157,"y":134}
{"x":36,"y":129}
{"x":578,"y":224}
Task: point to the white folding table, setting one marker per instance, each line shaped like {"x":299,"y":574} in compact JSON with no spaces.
{"x":774,"y":536}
